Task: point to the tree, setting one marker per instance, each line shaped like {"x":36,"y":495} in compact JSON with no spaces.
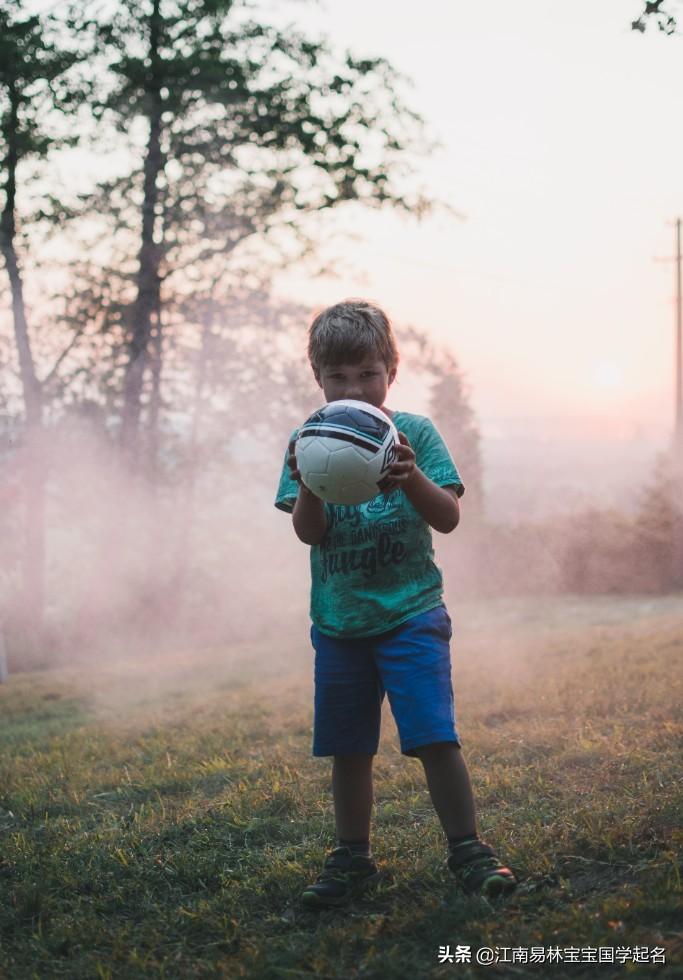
{"x":33,"y":85}
{"x":247,"y":129}
{"x":659,"y":524}
{"x":655,"y":10}
{"x":450,"y":408}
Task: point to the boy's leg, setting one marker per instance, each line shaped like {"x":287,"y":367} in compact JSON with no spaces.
{"x":352,"y":792}
{"x":473,"y":862}
{"x":349,"y":868}
{"x":415,"y":668}
{"x":348,"y":700}
{"x":449,"y":787}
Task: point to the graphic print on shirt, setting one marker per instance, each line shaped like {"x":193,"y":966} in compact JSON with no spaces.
{"x":364,"y":537}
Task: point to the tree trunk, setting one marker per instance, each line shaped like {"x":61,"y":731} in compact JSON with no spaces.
{"x":156,"y":362}
{"x":35,"y":477}
{"x":148,"y":281}
{"x":186,"y":507}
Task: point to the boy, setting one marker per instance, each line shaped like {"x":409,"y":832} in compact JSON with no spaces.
{"x":379,"y":622}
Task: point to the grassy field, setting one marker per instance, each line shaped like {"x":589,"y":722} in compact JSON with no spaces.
{"x":159,"y":818}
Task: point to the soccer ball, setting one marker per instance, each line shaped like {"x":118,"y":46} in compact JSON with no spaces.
{"x":344,"y":450}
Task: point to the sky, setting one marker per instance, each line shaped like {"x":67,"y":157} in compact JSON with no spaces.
{"x":561,"y":148}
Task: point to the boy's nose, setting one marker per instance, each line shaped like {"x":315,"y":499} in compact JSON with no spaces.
{"x":354,"y":390}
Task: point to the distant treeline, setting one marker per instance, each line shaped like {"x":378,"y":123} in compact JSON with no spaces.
{"x":590,"y":551}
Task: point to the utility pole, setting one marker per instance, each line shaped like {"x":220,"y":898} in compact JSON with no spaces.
{"x":677,"y":452}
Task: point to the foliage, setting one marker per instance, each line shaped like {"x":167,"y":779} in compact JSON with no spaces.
{"x":453,"y":414}
{"x":659,"y":12}
{"x":449,"y":407}
{"x":611,"y":552}
{"x":239,"y":129}
{"x":36,"y":89}
{"x":590,"y":552}
{"x":36,"y":64}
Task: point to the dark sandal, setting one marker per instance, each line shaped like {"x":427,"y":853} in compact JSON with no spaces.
{"x":478,"y":870}
{"x":344,"y":876}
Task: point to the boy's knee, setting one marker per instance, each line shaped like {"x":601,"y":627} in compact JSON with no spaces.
{"x":435,"y":750}
{"x":354,"y":760}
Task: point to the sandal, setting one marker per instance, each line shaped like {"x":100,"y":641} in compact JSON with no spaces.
{"x":478,"y":870}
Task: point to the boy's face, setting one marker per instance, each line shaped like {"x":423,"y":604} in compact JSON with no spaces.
{"x":366,"y":381}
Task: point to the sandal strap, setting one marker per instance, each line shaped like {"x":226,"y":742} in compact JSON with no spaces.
{"x":469,"y":851}
{"x":337,"y":865}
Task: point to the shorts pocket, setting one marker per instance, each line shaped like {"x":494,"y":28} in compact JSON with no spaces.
{"x":448,"y":625}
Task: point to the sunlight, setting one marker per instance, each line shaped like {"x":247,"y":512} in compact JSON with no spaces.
{"x":607,"y":375}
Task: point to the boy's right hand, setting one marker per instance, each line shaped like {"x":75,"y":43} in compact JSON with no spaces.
{"x":309,"y":518}
{"x":291,"y":462}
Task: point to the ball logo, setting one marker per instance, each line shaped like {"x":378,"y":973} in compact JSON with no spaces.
{"x":389,"y":456}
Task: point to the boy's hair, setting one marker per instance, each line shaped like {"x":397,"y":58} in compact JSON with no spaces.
{"x":348,"y":331}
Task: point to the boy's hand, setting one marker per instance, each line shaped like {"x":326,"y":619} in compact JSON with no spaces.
{"x":438,"y":505}
{"x":308,"y":516}
{"x":403,"y":469}
{"x":294,"y":472}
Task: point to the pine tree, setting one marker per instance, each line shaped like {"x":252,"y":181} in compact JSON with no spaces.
{"x":248,"y":127}
{"x":450,"y":409}
{"x":34,"y":96}
{"x":655,"y":10}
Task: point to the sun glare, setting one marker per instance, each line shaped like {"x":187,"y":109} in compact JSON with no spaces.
{"x":607,"y":375}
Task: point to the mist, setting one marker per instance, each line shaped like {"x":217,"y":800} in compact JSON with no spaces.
{"x":161,"y":575}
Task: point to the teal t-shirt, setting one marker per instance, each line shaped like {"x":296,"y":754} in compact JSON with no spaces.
{"x":375,"y":567}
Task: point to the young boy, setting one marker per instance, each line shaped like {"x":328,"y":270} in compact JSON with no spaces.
{"x":379,"y":622}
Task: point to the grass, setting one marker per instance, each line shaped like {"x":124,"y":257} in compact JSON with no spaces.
{"x":159,"y":819}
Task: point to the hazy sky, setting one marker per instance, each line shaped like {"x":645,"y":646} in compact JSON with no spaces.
{"x":562,"y":145}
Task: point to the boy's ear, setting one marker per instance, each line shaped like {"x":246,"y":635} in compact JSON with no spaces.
{"x":392,"y":375}
{"x":316,"y":375}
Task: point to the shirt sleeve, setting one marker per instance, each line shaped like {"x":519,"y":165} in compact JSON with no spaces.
{"x":288,"y":488}
{"x":434,"y":459}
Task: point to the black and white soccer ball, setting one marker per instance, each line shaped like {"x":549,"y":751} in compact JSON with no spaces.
{"x":344,"y":451}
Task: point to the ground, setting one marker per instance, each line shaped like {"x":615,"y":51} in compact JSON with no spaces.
{"x":159,"y":817}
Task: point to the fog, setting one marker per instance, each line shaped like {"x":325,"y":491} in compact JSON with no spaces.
{"x":154,"y":585}
{"x":149,"y":566}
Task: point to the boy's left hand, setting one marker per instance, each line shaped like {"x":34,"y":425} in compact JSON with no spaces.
{"x":403,"y":468}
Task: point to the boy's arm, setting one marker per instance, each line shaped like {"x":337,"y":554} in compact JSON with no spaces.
{"x":308,"y":517}
{"x":438,"y":505}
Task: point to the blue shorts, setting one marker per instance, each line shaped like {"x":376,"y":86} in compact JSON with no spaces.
{"x":411,"y":663}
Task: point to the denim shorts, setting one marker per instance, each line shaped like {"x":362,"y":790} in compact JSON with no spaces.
{"x":411,"y":663}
